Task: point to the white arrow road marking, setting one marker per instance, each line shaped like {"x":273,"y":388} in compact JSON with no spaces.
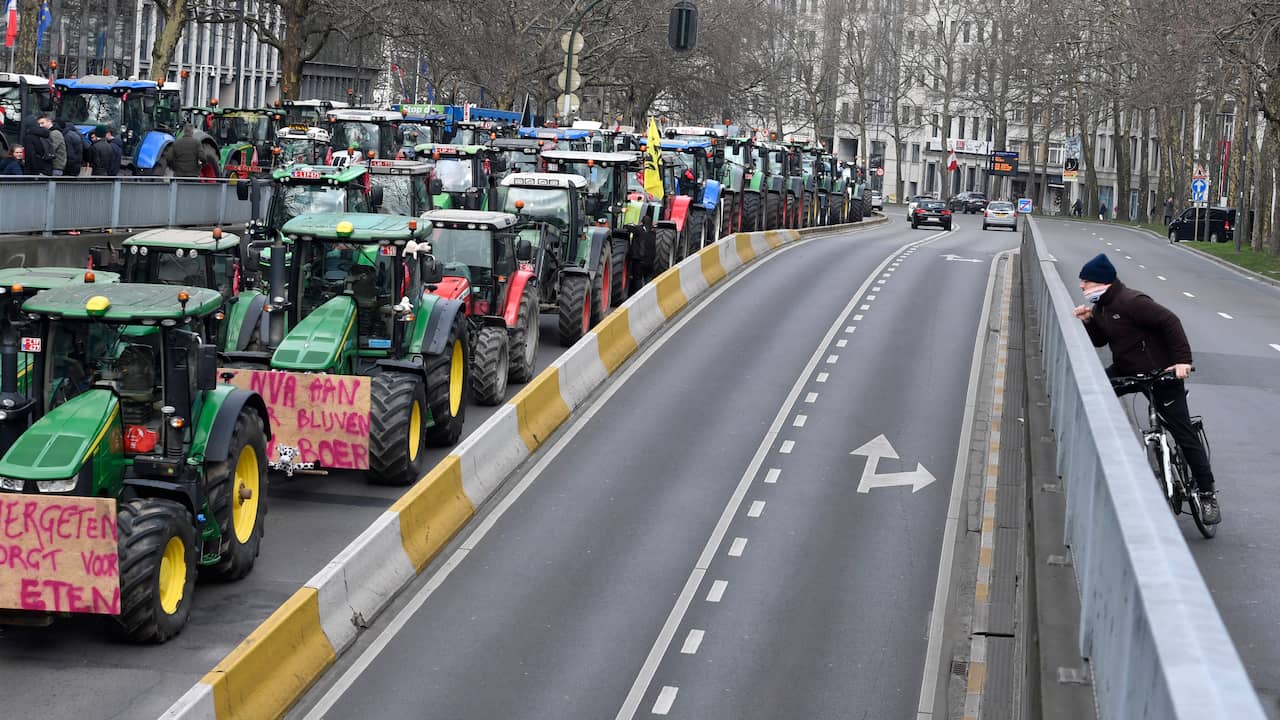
{"x":880,"y":448}
{"x":956,"y":258}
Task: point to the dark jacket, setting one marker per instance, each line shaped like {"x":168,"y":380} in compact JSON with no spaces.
{"x":184,"y":158}
{"x":100,"y":156}
{"x":9,"y":166}
{"x":1144,"y":335}
{"x":117,"y":153}
{"x":75,"y":148}
{"x":39,"y":150}
{"x":643,"y":246}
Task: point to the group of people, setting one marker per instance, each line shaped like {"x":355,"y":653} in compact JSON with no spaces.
{"x":57,"y":149}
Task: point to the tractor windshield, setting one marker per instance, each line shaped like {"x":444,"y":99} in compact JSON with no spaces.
{"x":413,"y":134}
{"x":90,"y":109}
{"x":520,"y":161}
{"x":599,"y":179}
{"x":301,"y":150}
{"x":346,"y":133}
{"x":84,"y":353}
{"x":167,"y":267}
{"x":230,"y":129}
{"x":403,"y":194}
{"x":330,"y":269}
{"x":290,"y":201}
{"x":464,"y":250}
{"x":547,"y":204}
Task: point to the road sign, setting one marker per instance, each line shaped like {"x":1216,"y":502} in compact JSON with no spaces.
{"x":577,"y":42}
{"x":567,"y":104}
{"x":1002,"y":163}
{"x":879,"y":172}
{"x":1199,"y":173}
{"x":1024,"y":205}
{"x":1199,"y":190}
{"x":880,"y":448}
{"x":574,"y":82}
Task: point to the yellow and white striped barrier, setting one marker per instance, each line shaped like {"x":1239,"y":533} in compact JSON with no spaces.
{"x":282,"y":657}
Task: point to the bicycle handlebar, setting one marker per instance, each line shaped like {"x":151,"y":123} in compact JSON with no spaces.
{"x":1146,"y":379}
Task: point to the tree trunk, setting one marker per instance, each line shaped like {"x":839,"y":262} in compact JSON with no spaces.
{"x":174,"y":15}
{"x":1087,"y":133}
{"x":1124,"y":163}
{"x":1144,"y":163}
{"x":25,"y":49}
{"x":293,"y":14}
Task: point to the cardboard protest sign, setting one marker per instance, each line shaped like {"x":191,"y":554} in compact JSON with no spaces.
{"x":324,"y":418}
{"x":58,"y":554}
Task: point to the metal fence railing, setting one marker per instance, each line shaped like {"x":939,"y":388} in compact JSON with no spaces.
{"x":52,"y":205}
{"x":1154,"y":638}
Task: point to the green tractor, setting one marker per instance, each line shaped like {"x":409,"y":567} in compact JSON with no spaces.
{"x":177,"y":459}
{"x":744,"y":178}
{"x":245,"y":138}
{"x":786,"y":186}
{"x":464,"y":177}
{"x":363,"y":365}
{"x":402,"y":186}
{"x":577,"y":258}
{"x":300,"y":145}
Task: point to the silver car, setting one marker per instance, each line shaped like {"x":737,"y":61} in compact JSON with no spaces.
{"x":1000,"y":214}
{"x":877,"y":200}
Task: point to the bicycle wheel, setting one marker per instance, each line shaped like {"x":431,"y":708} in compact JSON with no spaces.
{"x":1183,"y":476}
{"x":1155,"y":457}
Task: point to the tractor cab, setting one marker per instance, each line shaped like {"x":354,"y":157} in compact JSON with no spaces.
{"x":606,"y":176}
{"x":357,"y":134}
{"x":520,"y":154}
{"x":480,"y":132}
{"x":244,"y":138}
{"x":405,"y":186}
{"x":309,"y":113}
{"x":420,"y":124}
{"x":563,"y":138}
{"x":465,"y":175}
{"x":300,"y":145}
{"x":133,"y":108}
{"x":305,"y":189}
{"x":21,"y":96}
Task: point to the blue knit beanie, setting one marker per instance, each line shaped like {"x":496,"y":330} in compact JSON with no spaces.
{"x":1099,"y":270}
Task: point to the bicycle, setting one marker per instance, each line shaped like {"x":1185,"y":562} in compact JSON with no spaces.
{"x":1163,"y":453}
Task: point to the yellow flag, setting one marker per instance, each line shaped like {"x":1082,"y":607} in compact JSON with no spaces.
{"x":653,"y":162}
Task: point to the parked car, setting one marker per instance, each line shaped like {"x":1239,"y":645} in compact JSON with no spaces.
{"x":1190,"y":225}
{"x":957,"y":201}
{"x":931,"y":212}
{"x":976,"y":203}
{"x":877,"y":200}
{"x":1000,"y":214}
{"x":916,"y":200}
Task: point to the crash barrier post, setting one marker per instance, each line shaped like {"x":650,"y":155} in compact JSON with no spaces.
{"x":282,"y":657}
{"x":1155,"y":642}
{"x":39,"y":205}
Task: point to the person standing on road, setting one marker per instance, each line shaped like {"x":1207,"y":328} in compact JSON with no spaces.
{"x":9,"y":166}
{"x":1168,"y":211}
{"x":117,"y":151}
{"x":100,"y":154}
{"x":1075,"y":207}
{"x":38,"y":159}
{"x":75,"y":148}
{"x":56,"y":143}
{"x":184,"y":159}
{"x":641,"y":254}
{"x":1146,"y":337}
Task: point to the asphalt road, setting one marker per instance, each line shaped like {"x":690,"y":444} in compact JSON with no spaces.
{"x":695,"y":544}
{"x":1233,"y":324}
{"x":78,"y":669}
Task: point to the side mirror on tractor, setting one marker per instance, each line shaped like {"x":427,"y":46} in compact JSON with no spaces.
{"x":206,"y":366}
{"x":437,"y":186}
{"x":524,"y":250}
{"x":432,"y":271}
{"x":375,"y":197}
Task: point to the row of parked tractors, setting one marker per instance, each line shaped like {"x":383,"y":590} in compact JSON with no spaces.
{"x":348,"y":327}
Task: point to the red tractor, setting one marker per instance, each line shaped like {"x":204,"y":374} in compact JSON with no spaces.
{"x":491,"y":268}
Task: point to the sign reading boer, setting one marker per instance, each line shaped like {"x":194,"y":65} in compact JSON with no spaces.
{"x":58,"y":554}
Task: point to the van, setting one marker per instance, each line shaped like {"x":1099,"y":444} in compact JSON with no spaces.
{"x":1190,"y":225}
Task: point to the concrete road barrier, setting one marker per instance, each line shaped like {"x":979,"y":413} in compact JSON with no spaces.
{"x":287,"y":653}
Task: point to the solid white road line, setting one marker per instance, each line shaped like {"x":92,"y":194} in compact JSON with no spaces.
{"x":811,"y":398}
{"x":756,"y":508}
{"x":650,"y":668}
{"x":665,"y":698}
{"x":1226,"y":316}
{"x":771,"y":477}
{"x":691,"y":642}
{"x":717,"y":590}
{"x":822,"y":377}
{"x":942,"y":591}
{"x":799,"y":421}
{"x":738,"y":545}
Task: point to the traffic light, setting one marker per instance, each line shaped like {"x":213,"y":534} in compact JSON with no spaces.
{"x":682,"y":29}
{"x":1071,"y":164}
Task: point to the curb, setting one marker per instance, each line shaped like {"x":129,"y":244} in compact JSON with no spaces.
{"x":279,"y":661}
{"x":1243,"y":272}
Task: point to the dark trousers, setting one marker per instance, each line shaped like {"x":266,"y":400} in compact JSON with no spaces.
{"x":639,"y":272}
{"x":1171,"y":406}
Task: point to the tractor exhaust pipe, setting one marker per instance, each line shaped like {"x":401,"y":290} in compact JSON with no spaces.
{"x":279,"y":295}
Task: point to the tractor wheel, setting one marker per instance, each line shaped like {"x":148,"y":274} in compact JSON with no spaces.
{"x":397,"y":423}
{"x":575,"y":308}
{"x":665,"y":244}
{"x":490,"y":362}
{"x":237,"y":487}
{"x":855,"y":213}
{"x":523,"y":341}
{"x":772,"y":206}
{"x":157,"y":545}
{"x":695,"y":229}
{"x":618,"y":287}
{"x":750,"y":212}
{"x":810,"y":215}
{"x":447,"y":387}
{"x":600,"y":286}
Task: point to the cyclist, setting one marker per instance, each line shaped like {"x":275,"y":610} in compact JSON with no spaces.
{"x":1146,"y":337}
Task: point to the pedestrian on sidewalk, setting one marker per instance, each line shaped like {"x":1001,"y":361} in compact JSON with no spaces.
{"x":1102,"y":212}
{"x":1168,"y":211}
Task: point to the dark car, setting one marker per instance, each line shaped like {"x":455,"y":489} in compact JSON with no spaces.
{"x":1190,"y":225}
{"x":975,"y":203}
{"x":931,"y":212}
{"x":958,"y":201}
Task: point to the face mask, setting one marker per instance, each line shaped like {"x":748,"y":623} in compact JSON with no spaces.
{"x":1095,"y":296}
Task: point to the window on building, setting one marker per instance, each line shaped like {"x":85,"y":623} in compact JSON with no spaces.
{"x":1102,"y":151}
{"x":1055,"y":153}
{"x":978,"y":31}
{"x":919,"y":116}
{"x":915,"y":152}
{"x":965,"y":31}
{"x":933,"y":123}
{"x":960,"y":134}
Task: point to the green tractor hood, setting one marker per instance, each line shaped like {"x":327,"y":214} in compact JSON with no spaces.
{"x":57,"y":445}
{"x":321,"y":340}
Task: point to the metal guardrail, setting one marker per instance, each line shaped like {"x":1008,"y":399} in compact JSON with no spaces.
{"x":40,"y":205}
{"x":1155,"y":640}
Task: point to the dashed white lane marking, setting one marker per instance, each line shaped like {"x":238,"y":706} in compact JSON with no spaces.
{"x":857,"y":318}
{"x":800,"y":421}
{"x":871,"y":297}
{"x":756,"y":508}
{"x":1128,"y":257}
{"x":842,"y":343}
{"x":886,"y":275}
{"x":822,"y":377}
{"x":717,"y":590}
{"x":739,"y":544}
{"x":1108,"y":243}
{"x":865,"y":307}
{"x":1275,"y":347}
{"x":786,"y":447}
{"x":831,"y":359}
{"x":1190,"y":295}
{"x":692,"y":642}
{"x":1226,"y":316}
{"x":666,"y":697}
{"x":811,"y":397}
{"x":850,"y":329}
{"x":1162,"y":277}
{"x":1142,"y":267}
{"x":771,"y":477}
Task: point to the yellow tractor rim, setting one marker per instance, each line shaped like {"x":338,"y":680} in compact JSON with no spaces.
{"x":244,"y":514}
{"x":173,"y":575}
{"x":455,"y":380}
{"x":415,"y":429}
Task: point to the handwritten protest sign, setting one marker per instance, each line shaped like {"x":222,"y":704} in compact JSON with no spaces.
{"x":58,"y":554}
{"x":324,"y":417}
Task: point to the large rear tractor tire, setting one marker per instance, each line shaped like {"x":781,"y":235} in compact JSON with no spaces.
{"x":575,"y":308}
{"x":237,"y":487}
{"x":750,"y":212}
{"x":665,"y":252}
{"x":490,"y":363}
{"x":524,"y":338}
{"x":600,"y":286}
{"x":772,"y":211}
{"x":448,"y":387}
{"x":397,"y":424}
{"x":158,"y":558}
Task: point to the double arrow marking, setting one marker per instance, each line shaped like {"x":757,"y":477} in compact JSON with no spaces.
{"x":880,"y":448}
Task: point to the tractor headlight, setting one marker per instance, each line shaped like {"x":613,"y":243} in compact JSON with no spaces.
{"x":56,"y":486}
{"x":11,"y":484}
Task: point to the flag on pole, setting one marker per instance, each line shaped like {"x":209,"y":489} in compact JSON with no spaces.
{"x":653,"y":162}
{"x":43,"y":21}
{"x":11,"y":23}
{"x":951,"y":160}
